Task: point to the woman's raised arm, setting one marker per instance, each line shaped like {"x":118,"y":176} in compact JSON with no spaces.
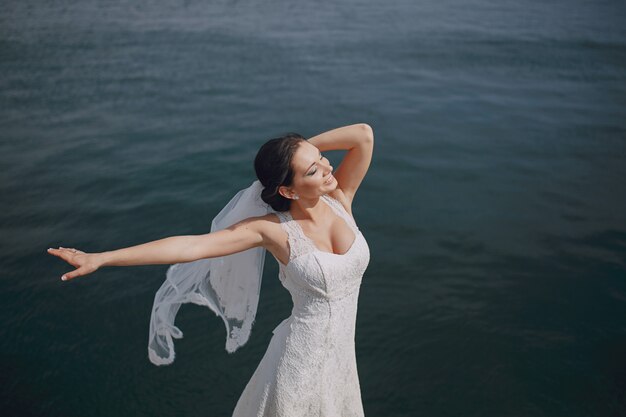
{"x":243,"y":235}
{"x":358,"y":139}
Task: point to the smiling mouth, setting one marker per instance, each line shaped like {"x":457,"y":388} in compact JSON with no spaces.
{"x":329,"y":180}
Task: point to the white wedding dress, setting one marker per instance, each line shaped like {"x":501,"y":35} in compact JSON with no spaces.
{"x":309,"y":368}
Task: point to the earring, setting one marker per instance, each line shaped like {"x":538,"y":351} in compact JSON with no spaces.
{"x":295,"y":197}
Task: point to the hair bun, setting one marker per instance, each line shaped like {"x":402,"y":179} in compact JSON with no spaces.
{"x":272,"y":197}
{"x":273,"y":168}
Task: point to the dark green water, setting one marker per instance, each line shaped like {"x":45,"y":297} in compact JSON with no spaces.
{"x":494,"y":208}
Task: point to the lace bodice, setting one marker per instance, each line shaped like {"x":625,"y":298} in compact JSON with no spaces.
{"x":309,"y":368}
{"x":304,"y":259}
{"x":299,"y":243}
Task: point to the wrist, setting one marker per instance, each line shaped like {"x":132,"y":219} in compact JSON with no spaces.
{"x":102,"y":258}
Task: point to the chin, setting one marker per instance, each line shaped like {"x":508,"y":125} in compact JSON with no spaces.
{"x":332,"y":186}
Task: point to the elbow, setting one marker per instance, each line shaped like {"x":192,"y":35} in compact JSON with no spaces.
{"x":368,"y":132}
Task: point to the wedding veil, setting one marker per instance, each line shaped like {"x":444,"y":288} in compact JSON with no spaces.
{"x":228,"y":285}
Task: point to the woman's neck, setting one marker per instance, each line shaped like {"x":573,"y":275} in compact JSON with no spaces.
{"x":309,"y":209}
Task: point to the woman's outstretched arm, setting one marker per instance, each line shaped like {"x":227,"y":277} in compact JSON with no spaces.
{"x":246,"y":234}
{"x":358,"y":140}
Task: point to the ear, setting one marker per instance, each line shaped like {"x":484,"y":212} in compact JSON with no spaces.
{"x":285,"y":192}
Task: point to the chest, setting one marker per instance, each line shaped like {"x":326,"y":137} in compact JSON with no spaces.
{"x":326,"y":274}
{"x":334,"y":237}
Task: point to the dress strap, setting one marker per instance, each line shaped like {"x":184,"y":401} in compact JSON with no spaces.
{"x":299,"y":243}
{"x":341,"y":211}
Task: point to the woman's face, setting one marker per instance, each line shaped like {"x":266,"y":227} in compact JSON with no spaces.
{"x":312,"y":173}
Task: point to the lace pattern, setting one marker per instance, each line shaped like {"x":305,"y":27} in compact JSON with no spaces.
{"x":341,"y":211}
{"x":309,"y":368}
{"x":299,"y":243}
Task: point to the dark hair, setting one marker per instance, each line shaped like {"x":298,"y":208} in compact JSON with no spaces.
{"x":273,"y":168}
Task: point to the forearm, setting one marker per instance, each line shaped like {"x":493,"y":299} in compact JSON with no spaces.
{"x":346,"y":137}
{"x":243,"y":235}
{"x":170,"y":250}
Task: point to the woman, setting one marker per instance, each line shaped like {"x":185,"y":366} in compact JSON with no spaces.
{"x":309,"y":368}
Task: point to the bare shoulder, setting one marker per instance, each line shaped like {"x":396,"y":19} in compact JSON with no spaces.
{"x":268,"y":225}
{"x":275,"y":238}
{"x":339,"y":195}
{"x":263,"y":224}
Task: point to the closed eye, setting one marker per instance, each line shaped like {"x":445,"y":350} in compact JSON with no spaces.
{"x":313,"y":172}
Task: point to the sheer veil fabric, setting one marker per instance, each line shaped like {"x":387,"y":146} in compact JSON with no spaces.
{"x":228,"y":285}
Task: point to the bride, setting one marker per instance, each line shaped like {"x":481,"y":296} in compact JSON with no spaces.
{"x":301,"y":212}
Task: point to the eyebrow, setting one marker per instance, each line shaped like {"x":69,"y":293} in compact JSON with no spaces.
{"x":307,"y":170}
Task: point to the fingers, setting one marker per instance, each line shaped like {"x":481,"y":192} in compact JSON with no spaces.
{"x":68,"y":255}
{"x":61,"y":253}
{"x":64,"y":253}
{"x":71,"y":275}
{"x":62,"y":249}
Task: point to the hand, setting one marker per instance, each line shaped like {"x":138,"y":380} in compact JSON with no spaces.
{"x":85,"y":263}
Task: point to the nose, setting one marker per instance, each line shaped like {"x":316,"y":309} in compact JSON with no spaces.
{"x":328,"y":165}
